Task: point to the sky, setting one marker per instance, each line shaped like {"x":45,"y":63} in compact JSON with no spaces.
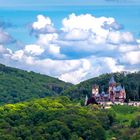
{"x":72,"y":41}
{"x":32,"y":3}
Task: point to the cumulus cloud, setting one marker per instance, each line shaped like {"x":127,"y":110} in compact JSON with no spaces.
{"x":132,"y":57}
{"x":4,"y":51}
{"x":49,"y":43}
{"x":113,"y":26}
{"x":85,"y":46}
{"x":43,"y":25}
{"x":87,"y":23}
{"x":46,"y":39}
{"x":125,"y":48}
{"x":18,"y":55}
{"x":33,"y":49}
{"x":119,"y":37}
{"x":76,"y":34}
{"x":54,"y":50}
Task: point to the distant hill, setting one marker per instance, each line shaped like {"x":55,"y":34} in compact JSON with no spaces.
{"x":19,"y":85}
{"x":131,"y":82}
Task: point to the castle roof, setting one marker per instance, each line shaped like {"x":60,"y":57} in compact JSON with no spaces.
{"x":102,"y":93}
{"x":119,"y":88}
{"x":112,"y":81}
{"x":123,"y":88}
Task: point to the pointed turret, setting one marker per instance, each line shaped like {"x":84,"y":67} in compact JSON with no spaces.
{"x":86,"y":99}
{"x":112,"y":89}
{"x":123,"y":88}
{"x":95,"y":90}
{"x":112,"y":81}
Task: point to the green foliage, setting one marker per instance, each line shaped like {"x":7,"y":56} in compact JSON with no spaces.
{"x":61,"y":119}
{"x":125,"y":109}
{"x":136,"y":136}
{"x":126,"y":124}
{"x":50,"y":118}
{"x":136,"y":122}
{"x":18,"y":85}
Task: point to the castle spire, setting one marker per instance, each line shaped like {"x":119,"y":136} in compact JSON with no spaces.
{"x":112,"y":81}
{"x":86,"y":99}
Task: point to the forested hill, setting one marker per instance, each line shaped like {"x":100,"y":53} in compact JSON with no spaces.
{"x":18,"y":85}
{"x":131,"y":81}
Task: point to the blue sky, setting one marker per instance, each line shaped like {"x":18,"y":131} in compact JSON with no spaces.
{"x":88,"y":37}
{"x":32,"y":3}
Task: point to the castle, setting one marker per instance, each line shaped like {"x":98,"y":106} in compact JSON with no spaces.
{"x":115,"y":93}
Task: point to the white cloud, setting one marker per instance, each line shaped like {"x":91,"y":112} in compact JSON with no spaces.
{"x":86,"y":22}
{"x":49,"y":43}
{"x":43,"y":25}
{"x":78,"y":74}
{"x":123,"y":48}
{"x":2,"y":49}
{"x":91,"y":36}
{"x":18,"y":55}
{"x":41,"y":22}
{"x":76,"y":34}
{"x":54,"y":50}
{"x":33,"y":49}
{"x":117,"y":37}
{"x":4,"y":52}
{"x":132,"y":57}
{"x":85,"y":46}
{"x":46,"y":39}
{"x":112,"y":65}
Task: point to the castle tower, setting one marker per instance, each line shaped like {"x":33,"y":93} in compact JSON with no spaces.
{"x":95,"y":90}
{"x":112,"y":88}
{"x":86,"y":100}
{"x":124,"y":93}
{"x":112,"y":82}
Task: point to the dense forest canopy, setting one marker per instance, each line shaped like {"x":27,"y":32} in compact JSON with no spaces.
{"x":61,"y":119}
{"x":19,"y":85}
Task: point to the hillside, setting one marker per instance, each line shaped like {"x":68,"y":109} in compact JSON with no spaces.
{"x":131,"y":81}
{"x":18,"y":85}
{"x":61,"y":119}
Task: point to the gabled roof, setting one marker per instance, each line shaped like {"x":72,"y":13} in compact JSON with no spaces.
{"x":112,"y":80}
{"x":119,"y":88}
